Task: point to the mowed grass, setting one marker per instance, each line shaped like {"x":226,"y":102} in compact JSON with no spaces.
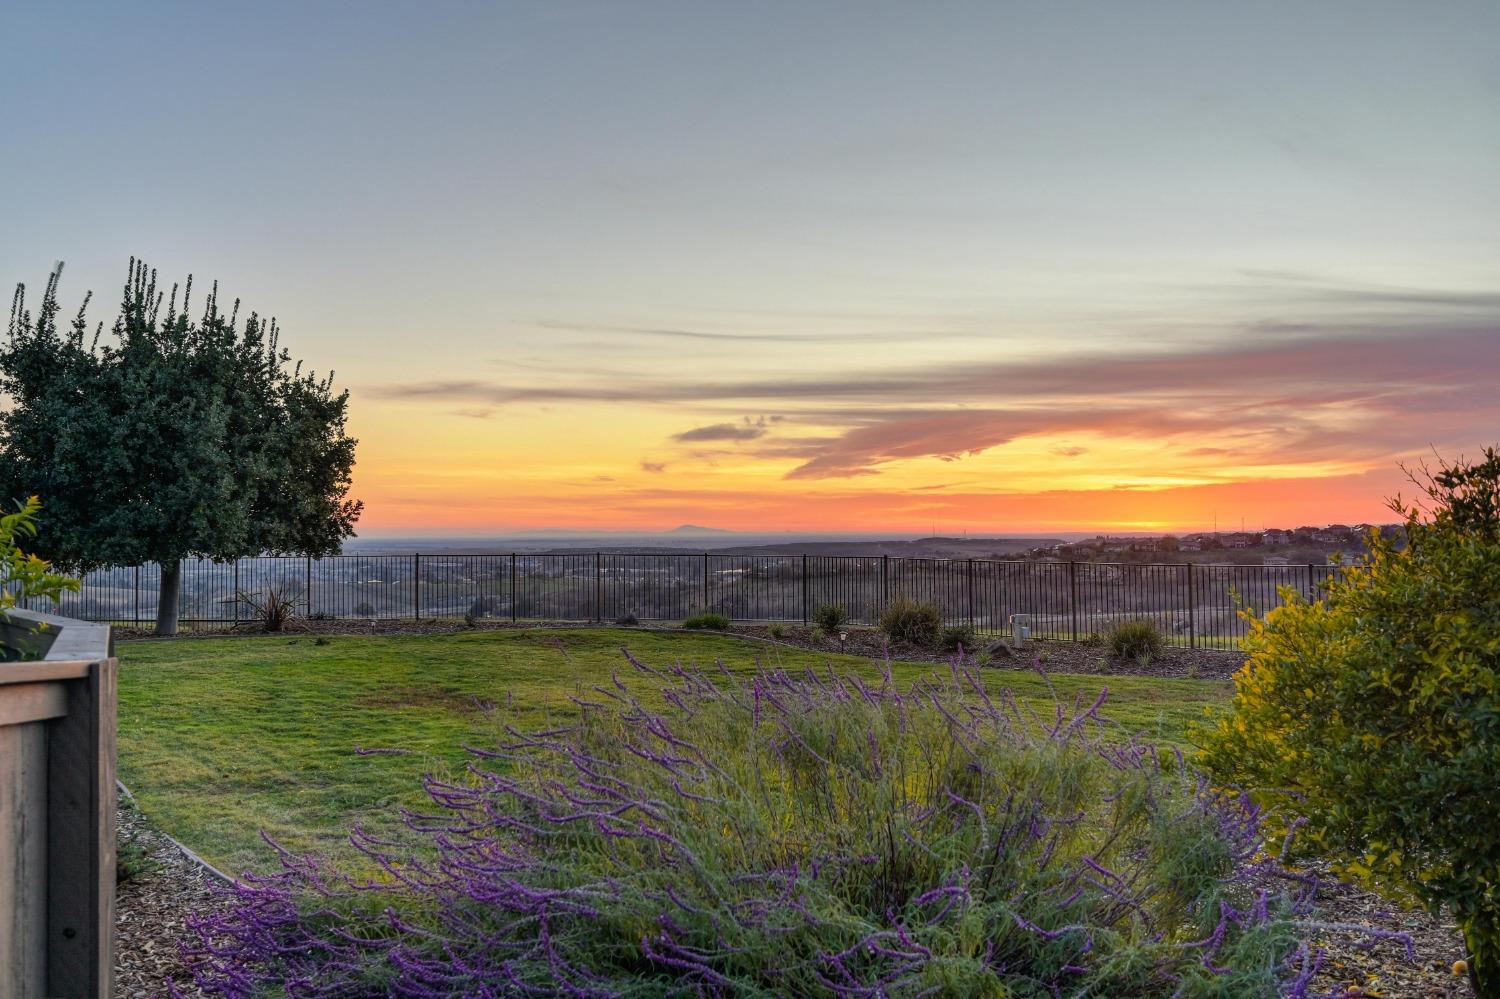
{"x":220,"y":739}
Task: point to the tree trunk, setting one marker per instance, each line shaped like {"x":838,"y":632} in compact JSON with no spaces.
{"x":169,"y":598}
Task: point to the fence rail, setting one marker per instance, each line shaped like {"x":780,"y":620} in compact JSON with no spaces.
{"x":1194,"y":605}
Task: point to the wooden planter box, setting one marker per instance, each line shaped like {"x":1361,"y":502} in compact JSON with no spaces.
{"x":57,"y":807}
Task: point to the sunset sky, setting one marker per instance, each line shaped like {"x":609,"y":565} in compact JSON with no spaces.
{"x":808,"y":266}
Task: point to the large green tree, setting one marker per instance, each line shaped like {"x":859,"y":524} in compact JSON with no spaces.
{"x":167,"y":437}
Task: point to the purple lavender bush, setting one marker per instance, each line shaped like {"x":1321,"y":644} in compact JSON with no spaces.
{"x":807,"y":835}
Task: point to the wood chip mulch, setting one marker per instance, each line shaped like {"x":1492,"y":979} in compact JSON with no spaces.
{"x":163,"y":888}
{"x":1357,"y":966}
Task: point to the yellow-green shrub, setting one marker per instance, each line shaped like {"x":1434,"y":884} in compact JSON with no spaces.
{"x":22,"y":575}
{"x":1377,"y":709}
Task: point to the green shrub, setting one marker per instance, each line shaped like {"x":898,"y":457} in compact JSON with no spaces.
{"x":956,"y":637}
{"x":830,"y":617}
{"x":627,"y":621}
{"x":907,"y":620}
{"x":777,"y":631}
{"x":1378,"y":709}
{"x":711,"y":620}
{"x":1138,"y":639}
{"x":24,"y":576}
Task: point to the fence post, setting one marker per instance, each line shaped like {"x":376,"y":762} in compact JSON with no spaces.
{"x":80,"y":829}
{"x":1312,"y":587}
{"x":512,"y":587}
{"x":416,"y":585}
{"x":598,"y":589}
{"x":804,"y":590}
{"x":236,"y":595}
{"x":1192,"y":608}
{"x":1073,"y":598}
{"x":138,"y":595}
{"x":885,"y":581}
{"x":309,"y":586}
{"x":705,"y":582}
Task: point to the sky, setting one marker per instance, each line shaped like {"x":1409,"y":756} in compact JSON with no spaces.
{"x":840,"y":267}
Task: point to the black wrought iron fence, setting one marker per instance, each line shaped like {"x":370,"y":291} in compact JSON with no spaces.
{"x":1196,"y":605}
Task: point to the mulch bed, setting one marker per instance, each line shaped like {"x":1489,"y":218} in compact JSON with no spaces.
{"x":152,"y":906}
{"x":1371,"y":967}
{"x":1053,"y":657}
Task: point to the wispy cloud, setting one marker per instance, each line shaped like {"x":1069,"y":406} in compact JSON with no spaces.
{"x":860,"y":336}
{"x":1306,"y":393}
{"x":1306,"y":286}
{"x":1430,"y":355}
{"x":722,"y":432}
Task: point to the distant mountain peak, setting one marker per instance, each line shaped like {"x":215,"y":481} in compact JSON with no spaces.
{"x":695,"y":529}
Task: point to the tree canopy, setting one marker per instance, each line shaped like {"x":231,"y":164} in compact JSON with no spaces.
{"x":168,"y":437}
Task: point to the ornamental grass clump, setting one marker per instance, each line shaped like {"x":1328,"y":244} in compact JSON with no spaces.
{"x":800,"y":835}
{"x":1137,"y":639}
{"x":907,"y":620}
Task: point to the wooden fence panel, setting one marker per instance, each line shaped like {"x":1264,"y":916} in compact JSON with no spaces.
{"x":57,"y":815}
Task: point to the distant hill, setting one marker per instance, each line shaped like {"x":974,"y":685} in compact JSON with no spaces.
{"x":695,"y":530}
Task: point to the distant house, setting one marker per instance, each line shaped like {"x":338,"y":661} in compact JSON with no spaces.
{"x":1237,"y":541}
{"x":1276,"y":560}
{"x":1276,"y":538}
{"x":1348,"y":558}
{"x":1189,"y":546}
{"x":1326,"y":538}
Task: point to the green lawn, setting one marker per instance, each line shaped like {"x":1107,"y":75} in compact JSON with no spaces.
{"x":221,"y":738}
